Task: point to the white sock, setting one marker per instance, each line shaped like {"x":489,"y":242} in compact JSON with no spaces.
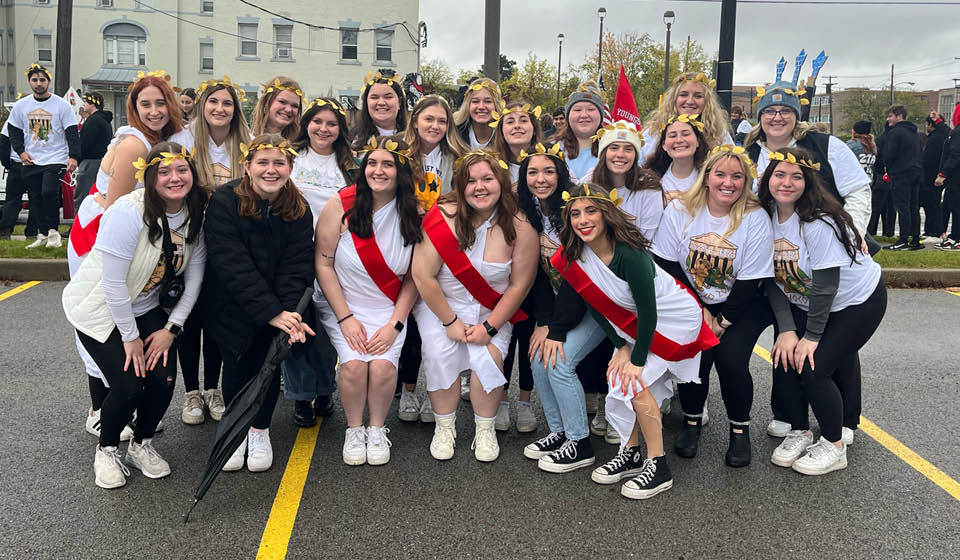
{"x":478,"y":418}
{"x":439,"y":416}
{"x":522,"y":403}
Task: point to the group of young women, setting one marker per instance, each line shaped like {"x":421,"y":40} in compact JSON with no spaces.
{"x":462,"y":242}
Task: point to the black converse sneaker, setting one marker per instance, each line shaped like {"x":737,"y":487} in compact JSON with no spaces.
{"x":544,"y":446}
{"x":625,"y":464}
{"x":653,"y":478}
{"x":571,"y":456}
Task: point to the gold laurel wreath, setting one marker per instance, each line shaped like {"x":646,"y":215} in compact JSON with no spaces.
{"x":164,"y":159}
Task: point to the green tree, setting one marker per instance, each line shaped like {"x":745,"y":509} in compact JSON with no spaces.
{"x":535,"y":82}
{"x":436,"y":75}
{"x":507,"y":68}
{"x":865,"y":104}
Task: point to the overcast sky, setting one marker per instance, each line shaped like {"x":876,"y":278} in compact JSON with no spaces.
{"x":861,"y":41}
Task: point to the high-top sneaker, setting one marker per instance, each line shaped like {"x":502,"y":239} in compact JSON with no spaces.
{"x":654,"y":478}
{"x":628,"y":462}
{"x":444,"y":437}
{"x":544,"y":446}
{"x":572,"y":455}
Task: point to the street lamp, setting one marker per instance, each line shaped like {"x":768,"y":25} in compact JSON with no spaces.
{"x":668,"y":18}
{"x":559,"y":58}
{"x":602,"y":12}
{"x":911,"y":84}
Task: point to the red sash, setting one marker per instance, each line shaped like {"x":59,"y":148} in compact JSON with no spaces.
{"x":459,"y":263}
{"x":83,"y":237}
{"x":627,"y":320}
{"x":370,"y":254}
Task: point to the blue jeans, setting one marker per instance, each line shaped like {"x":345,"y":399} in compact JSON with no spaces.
{"x":561,"y":393}
{"x":312,"y":373}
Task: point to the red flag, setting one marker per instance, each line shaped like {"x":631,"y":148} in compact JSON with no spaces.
{"x":624,"y":105}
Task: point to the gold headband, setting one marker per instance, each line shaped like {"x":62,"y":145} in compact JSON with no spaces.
{"x":320,"y":102}
{"x":790,"y":158}
{"x":525,"y":108}
{"x":541,"y":150}
{"x":155,"y":74}
{"x":692,"y":120}
{"x":284,"y":146}
{"x":614,"y":198}
{"x":241,"y":95}
{"x":371,"y":79}
{"x":387,"y":146}
{"x":164,"y":159}
{"x":619,"y":125}
{"x":739,"y":153}
{"x":34,"y":67}
{"x":487,"y":156}
{"x":278,"y":87}
{"x":699,"y":77}
{"x":486,"y":83}
{"x":800,"y":92}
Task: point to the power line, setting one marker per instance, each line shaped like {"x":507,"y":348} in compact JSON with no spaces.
{"x":945,"y":62}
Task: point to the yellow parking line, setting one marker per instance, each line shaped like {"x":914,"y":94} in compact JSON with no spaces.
{"x":18,"y":289}
{"x":954,"y":291}
{"x":283,"y":515}
{"x":907,"y":455}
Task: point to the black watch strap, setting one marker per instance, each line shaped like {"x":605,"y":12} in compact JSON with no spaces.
{"x":491,"y":330}
{"x":399,"y":326}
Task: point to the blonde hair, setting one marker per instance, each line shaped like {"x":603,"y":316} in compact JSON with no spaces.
{"x":695,"y":199}
{"x":463,"y":113}
{"x":451,"y":142}
{"x":757,"y":134}
{"x":715,"y":120}
{"x":239,"y":133}
{"x":260,"y":112}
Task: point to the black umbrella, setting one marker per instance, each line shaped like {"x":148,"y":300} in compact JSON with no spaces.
{"x":243,"y":407}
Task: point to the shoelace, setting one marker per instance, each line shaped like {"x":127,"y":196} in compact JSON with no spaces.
{"x":216,"y":400}
{"x":356,"y":437}
{"x":115,"y":455}
{"x":378,"y":437}
{"x":647,"y":474}
{"x":549,"y":439}
{"x":258,"y":442}
{"x":194,"y":401}
{"x":818,"y":450}
{"x":619,"y":461}
{"x":792,"y":442}
{"x":488,"y":436}
{"x":447,"y":436}
{"x":568,"y":450}
{"x":409,"y":404}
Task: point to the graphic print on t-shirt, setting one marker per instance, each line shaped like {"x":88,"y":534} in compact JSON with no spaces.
{"x":786,"y":255}
{"x":429,"y":190}
{"x":161,"y":268}
{"x":710,"y":261}
{"x":221,"y":173}
{"x":40,"y":121}
{"x":547,"y":249}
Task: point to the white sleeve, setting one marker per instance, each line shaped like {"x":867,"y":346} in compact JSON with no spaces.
{"x":16,"y":119}
{"x":120,"y":229}
{"x":727,"y":139}
{"x":758,"y":249}
{"x":117,"y":296}
{"x":823,"y":245}
{"x":650,"y":142}
{"x":193,"y":280}
{"x":744,"y":127}
{"x":848,"y":174}
{"x":67,"y":117}
{"x":859,"y":205}
{"x":666,"y":242}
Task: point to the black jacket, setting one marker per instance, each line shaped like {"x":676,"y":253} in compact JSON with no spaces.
{"x":950,"y":159}
{"x":901,"y":149}
{"x":95,"y":135}
{"x":255,"y":269}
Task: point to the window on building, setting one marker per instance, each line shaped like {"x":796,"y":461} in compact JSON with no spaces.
{"x":206,"y":57}
{"x":206,"y":7}
{"x":946,"y":106}
{"x":384,"y":39}
{"x":42,"y":2}
{"x":348,"y":43}
{"x":283,"y":41}
{"x":119,"y":102}
{"x":44,"y":48}
{"x":248,"y":38}
{"x":125,"y":44}
{"x":104,"y":3}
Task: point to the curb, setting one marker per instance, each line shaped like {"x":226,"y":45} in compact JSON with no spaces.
{"x":25,"y":270}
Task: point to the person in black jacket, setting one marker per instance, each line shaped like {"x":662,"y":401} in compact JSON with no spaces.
{"x":95,"y":135}
{"x":901,"y":157}
{"x":949,"y":177}
{"x":931,"y":194}
{"x":260,"y":241}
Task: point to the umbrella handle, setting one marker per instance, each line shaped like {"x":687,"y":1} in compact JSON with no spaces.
{"x":305,"y":300}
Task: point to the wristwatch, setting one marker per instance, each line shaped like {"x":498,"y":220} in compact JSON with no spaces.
{"x":490,"y":329}
{"x":724,"y":324}
{"x":399,"y":326}
{"x":174,"y":329}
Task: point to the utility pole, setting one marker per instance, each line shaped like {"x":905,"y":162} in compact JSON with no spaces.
{"x":830,"y":84}
{"x":491,"y":40}
{"x":61,"y":74}
{"x":559,"y":59}
{"x":421,"y":40}
{"x":891,"y":84}
{"x":728,"y":24}
{"x":686,"y":56}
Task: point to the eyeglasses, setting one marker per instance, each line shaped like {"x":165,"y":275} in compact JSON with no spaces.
{"x":771,"y":113}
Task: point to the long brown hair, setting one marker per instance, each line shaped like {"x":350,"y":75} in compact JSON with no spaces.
{"x":289,"y":205}
{"x":239,"y":133}
{"x":366,"y":127}
{"x":620,"y":227}
{"x":154,"y":207}
{"x":360,"y":218}
{"x":500,"y":143}
{"x":638,"y":178}
{"x":262,"y":108}
{"x":659,"y":161}
{"x":175,"y":122}
{"x":463,"y":217}
{"x":866,"y":140}
{"x":341,"y":146}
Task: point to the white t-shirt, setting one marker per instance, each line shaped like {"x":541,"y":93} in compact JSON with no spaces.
{"x":44,"y":124}
{"x":514,"y":172}
{"x":646,"y":207}
{"x":431,"y":167}
{"x":847,"y":172}
{"x":219,"y":157}
{"x":582,"y":165}
{"x":386,"y":131}
{"x":476,"y":144}
{"x":793,"y":264}
{"x":318,"y":177}
{"x":673,"y":186}
{"x":712,"y":263}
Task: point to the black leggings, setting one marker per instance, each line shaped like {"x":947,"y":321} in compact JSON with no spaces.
{"x":237,"y":372}
{"x":522,"y":332}
{"x":408,"y":367}
{"x":836,"y":379}
{"x":149,"y":396}
{"x":732,"y":358}
{"x":592,"y":370}
{"x":98,"y":391}
{"x":188,"y":350}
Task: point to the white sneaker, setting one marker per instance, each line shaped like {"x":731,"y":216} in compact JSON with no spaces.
{"x":611,"y":437}
{"x":213,"y":399}
{"x":846,"y":435}
{"x":409,"y":409}
{"x":146,"y":458}
{"x":426,"y":411}
{"x":259,"y":450}
{"x":92,"y":426}
{"x":591,"y":399}
{"x":778,"y":428}
{"x":792,"y":447}
{"x":526,"y":419}
{"x":192,"y":408}
{"x":235,"y":462}
{"x":444,"y":438}
{"x":54,"y":241}
{"x":378,"y":445}
{"x":598,"y":426}
{"x":108,"y":469}
{"x":821,"y":458}
{"x":355,"y":446}
{"x":485,"y":446}
{"x":502,"y":420}
{"x":464,"y":388}
{"x":40,"y":242}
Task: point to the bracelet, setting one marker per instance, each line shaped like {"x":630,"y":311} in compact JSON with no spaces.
{"x":452,"y":321}
{"x":345,"y":318}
